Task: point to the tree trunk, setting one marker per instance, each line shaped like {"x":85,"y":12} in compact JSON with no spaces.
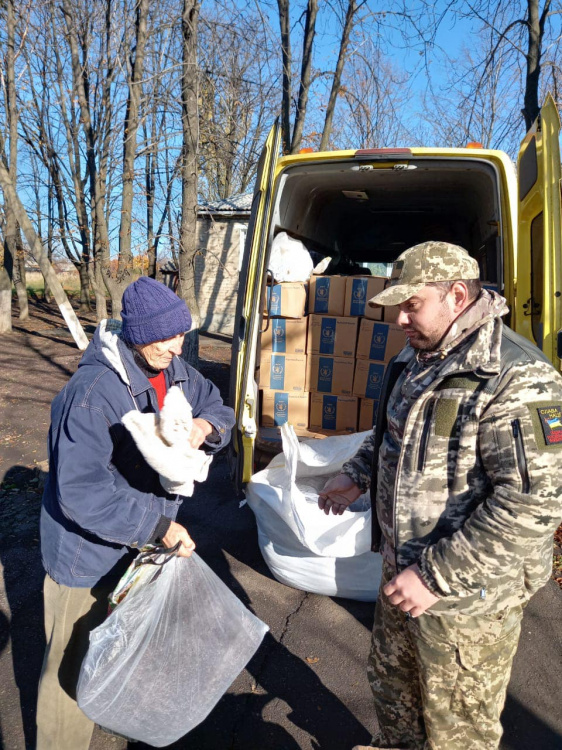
{"x":16,"y":206}
{"x":304,"y":88}
{"x":5,"y":301}
{"x":287,"y":62}
{"x":336,"y":83}
{"x":190,"y":134}
{"x":19,"y":278}
{"x":535,"y":25}
{"x":82,"y":269}
{"x":11,"y":225}
{"x":95,"y":176}
{"x":125,"y":264}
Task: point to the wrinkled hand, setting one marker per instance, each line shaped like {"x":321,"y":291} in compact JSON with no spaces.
{"x":177,"y":533}
{"x":200,"y":430}
{"x":408,"y":592}
{"x":338,"y":494}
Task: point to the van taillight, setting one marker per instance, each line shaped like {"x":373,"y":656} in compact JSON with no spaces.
{"x":369,"y":153}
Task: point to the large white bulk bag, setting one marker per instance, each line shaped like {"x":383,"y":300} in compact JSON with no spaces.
{"x":302,"y":546}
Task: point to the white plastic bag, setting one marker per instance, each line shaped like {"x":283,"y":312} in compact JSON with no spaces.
{"x":167,"y":653}
{"x":304,"y":547}
{"x":289,"y":259}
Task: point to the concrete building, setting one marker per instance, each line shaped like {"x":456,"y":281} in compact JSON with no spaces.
{"x":221,"y":235}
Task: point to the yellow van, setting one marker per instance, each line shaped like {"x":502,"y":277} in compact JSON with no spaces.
{"x":370,"y":205}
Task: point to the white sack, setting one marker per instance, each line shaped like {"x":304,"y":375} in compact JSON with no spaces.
{"x":302,"y":546}
{"x":289,"y":259}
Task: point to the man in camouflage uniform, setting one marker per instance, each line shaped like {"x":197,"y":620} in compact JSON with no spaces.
{"x":466,"y":486}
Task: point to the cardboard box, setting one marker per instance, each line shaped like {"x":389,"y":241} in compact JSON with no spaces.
{"x":285,"y":300}
{"x":390,"y":313}
{"x":285,"y":335}
{"x":368,"y":379}
{"x":336,"y":336}
{"x":379,"y":341}
{"x":282,"y":372}
{"x":358,"y":291}
{"x":368,"y":409}
{"x":330,"y":374}
{"x":279,"y":407}
{"x":334,"y":413}
{"x":326,"y":295}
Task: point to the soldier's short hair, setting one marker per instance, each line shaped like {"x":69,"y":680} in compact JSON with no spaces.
{"x":474,"y":287}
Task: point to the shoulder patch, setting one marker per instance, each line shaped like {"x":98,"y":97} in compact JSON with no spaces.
{"x":550,"y":418}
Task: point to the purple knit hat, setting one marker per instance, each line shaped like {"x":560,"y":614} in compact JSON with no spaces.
{"x":152,"y":312}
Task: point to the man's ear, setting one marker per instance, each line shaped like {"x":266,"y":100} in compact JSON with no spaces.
{"x":461,"y":296}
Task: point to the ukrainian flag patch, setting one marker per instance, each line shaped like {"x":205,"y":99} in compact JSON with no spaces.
{"x":550,"y":417}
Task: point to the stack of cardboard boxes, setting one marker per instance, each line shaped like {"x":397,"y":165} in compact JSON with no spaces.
{"x":322,"y":371}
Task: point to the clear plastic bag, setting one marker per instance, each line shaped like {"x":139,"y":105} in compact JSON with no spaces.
{"x":168,"y":652}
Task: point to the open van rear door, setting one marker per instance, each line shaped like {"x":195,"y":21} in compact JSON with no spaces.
{"x":243,"y":391}
{"x":539,"y":262}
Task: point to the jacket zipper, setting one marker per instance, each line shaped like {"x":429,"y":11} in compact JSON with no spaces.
{"x":425,"y":435}
{"x":520,"y":454}
{"x":398,"y":474}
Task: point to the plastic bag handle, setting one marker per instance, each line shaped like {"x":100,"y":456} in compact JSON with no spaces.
{"x":147,"y":558}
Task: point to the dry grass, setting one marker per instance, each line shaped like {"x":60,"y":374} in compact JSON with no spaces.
{"x":36,"y":284}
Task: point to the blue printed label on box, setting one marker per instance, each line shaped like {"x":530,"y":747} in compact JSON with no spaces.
{"x":280,"y":408}
{"x":329,"y":412}
{"x":277,"y":374}
{"x":321,"y":295}
{"x":279,"y":335}
{"x":358,"y":296}
{"x":327,"y":335}
{"x":325,"y":374}
{"x":274,"y":299}
{"x":374,"y":381}
{"x":378,"y":341}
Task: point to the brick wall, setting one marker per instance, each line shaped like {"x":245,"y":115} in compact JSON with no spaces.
{"x":216,"y":271}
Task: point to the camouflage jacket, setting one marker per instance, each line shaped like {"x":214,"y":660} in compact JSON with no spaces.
{"x":478,"y":484}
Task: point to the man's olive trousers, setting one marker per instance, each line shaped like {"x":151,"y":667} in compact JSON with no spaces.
{"x":439,"y":682}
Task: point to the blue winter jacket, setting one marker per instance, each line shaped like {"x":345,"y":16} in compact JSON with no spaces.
{"x":101,"y":497}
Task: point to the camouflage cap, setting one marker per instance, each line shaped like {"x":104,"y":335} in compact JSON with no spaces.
{"x":423,"y":264}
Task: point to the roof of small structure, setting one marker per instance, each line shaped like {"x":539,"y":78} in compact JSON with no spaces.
{"x":236,"y":204}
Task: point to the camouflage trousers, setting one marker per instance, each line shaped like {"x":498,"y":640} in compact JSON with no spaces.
{"x":439,"y":682}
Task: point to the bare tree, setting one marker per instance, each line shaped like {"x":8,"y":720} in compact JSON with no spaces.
{"x":238,"y":94}
{"x":472,"y":107}
{"x":525,"y":35}
{"x":124,"y":270}
{"x":14,"y":261}
{"x":190,"y":136}
{"x":373,"y":97}
{"x":306,"y":74}
{"x":38,"y":252}
{"x":350,"y":17}
{"x":287,"y":63}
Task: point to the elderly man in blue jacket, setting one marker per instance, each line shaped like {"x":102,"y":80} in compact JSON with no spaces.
{"x":102,"y":500}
